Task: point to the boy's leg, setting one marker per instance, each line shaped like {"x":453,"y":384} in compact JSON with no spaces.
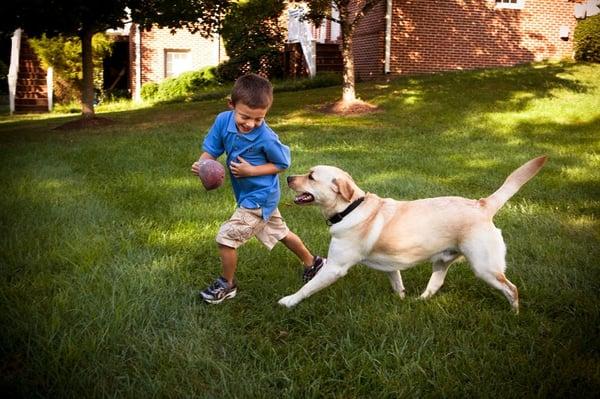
{"x":228,"y":261}
{"x":233,"y":233}
{"x":295,"y":244}
{"x":223,"y":287}
{"x":312,"y":264}
{"x":276,"y":230}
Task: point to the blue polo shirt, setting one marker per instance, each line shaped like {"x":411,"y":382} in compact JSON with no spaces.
{"x":259,"y":146}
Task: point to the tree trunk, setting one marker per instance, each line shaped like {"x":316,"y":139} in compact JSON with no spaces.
{"x":348,"y":90}
{"x":87,"y":89}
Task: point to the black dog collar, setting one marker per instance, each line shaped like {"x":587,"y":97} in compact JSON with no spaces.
{"x":339,"y":216}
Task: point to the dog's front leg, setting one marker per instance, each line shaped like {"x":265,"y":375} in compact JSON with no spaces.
{"x":396,"y":280}
{"x":339,"y":261}
{"x":325,"y":277}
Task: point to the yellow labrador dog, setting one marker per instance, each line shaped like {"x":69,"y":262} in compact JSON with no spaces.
{"x":391,"y":236}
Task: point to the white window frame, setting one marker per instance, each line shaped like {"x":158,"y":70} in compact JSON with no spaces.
{"x":177,"y":71}
{"x":518,"y":5}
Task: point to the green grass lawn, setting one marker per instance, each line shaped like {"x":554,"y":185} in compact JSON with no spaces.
{"x":106,"y":238}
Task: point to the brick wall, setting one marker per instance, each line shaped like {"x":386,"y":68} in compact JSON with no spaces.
{"x":430,"y":36}
{"x":154,"y":43}
{"x":369,"y":44}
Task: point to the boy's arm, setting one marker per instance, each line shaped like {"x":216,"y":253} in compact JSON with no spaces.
{"x":196,"y":165}
{"x":245,"y":169}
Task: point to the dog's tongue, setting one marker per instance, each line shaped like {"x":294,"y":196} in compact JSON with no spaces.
{"x":304,"y":198}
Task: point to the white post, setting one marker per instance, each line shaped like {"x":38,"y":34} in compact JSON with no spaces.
{"x":137,"y":96}
{"x":13,"y":70}
{"x":50,"y":87}
{"x":313,"y":58}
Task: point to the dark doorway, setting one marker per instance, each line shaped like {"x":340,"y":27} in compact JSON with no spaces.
{"x":116,"y":70}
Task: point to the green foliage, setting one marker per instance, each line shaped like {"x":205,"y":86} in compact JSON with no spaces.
{"x":253,"y":39}
{"x":73,"y":17}
{"x":149,"y":90}
{"x":587,"y":39}
{"x":63,"y":53}
{"x":182,"y":87}
{"x":213,"y":90}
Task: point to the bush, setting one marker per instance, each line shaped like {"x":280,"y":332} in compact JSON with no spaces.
{"x":587,"y":39}
{"x":149,"y":90}
{"x":184,"y":86}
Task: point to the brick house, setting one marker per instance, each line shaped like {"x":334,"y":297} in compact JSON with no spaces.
{"x":401,"y":37}
{"x":397,"y":37}
{"x":138,"y":57}
{"x":158,"y":54}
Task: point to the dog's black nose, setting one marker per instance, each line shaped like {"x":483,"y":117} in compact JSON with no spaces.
{"x":289,"y":179}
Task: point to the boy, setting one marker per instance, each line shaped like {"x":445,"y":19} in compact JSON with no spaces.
{"x":255,"y":156}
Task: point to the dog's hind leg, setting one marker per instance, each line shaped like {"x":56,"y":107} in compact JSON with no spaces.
{"x":486,"y":252}
{"x":396,"y":280}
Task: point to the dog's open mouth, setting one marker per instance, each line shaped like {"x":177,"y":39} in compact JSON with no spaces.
{"x":304,"y":198}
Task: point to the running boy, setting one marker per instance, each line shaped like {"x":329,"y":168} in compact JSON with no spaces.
{"x":254,"y":158}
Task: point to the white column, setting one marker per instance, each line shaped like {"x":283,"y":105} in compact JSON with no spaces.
{"x":13,"y":70}
{"x":137,"y":93}
{"x":50,"y":87}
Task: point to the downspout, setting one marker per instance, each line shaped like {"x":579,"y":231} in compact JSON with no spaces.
{"x":388,"y":36}
{"x":138,"y":65}
{"x":13,"y":70}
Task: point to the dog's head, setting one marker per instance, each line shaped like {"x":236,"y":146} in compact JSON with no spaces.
{"x":328,"y":187}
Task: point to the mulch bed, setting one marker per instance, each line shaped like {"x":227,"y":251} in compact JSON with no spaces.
{"x":354,"y":108}
{"x":85,"y":123}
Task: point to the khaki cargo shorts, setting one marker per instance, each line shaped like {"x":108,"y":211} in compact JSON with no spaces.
{"x":247,"y":223}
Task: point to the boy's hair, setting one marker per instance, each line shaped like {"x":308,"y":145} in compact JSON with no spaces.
{"x":252,"y":90}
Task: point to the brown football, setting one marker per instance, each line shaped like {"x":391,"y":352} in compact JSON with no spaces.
{"x":211,"y":173}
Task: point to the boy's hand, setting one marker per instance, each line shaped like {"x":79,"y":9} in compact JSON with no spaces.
{"x":196,"y":168}
{"x":242,"y":168}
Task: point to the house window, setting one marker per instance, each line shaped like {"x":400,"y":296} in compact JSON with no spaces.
{"x":177,"y":62}
{"x":515,"y":4}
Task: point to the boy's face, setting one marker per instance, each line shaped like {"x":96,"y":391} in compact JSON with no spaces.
{"x":247,"y":118}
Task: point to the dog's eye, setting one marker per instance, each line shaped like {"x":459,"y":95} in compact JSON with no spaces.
{"x":310,"y":176}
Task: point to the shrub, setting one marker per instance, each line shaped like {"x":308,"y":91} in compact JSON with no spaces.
{"x":149,"y":90}
{"x":587,"y":39}
{"x":184,"y":86}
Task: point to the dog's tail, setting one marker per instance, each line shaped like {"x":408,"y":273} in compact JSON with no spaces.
{"x":512,"y":184}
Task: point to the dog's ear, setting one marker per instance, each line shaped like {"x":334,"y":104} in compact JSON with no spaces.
{"x":344,"y":187}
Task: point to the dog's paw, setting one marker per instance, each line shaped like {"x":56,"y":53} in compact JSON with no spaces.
{"x":288,"y":301}
{"x":425,"y":295}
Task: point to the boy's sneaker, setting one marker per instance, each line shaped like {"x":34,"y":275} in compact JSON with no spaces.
{"x":314,"y":269}
{"x":218,"y":291}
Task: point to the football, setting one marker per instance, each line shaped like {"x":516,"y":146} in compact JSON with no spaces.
{"x":211,"y":173}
